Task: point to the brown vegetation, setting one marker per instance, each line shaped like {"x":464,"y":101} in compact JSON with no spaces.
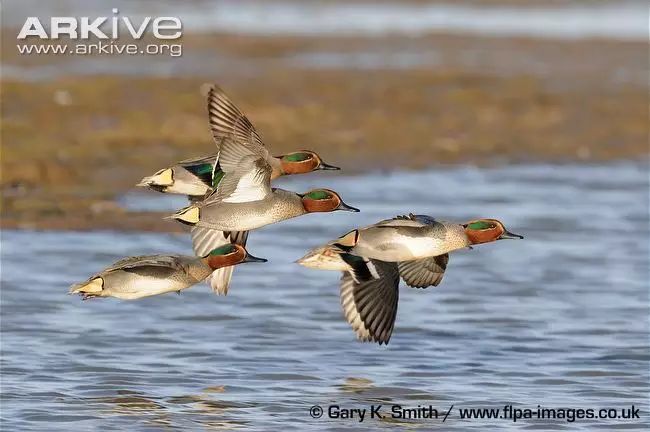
{"x":70,"y":145}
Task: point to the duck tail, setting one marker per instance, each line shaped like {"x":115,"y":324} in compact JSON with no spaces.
{"x":188,"y":215}
{"x":326,"y":257}
{"x":347,"y":241}
{"x":90,"y":288}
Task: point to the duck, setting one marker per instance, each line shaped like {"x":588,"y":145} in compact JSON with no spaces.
{"x":414,"y":248}
{"x":411,"y":237}
{"x":192,"y":177}
{"x":199,"y":176}
{"x":148,"y":275}
{"x":244,"y":201}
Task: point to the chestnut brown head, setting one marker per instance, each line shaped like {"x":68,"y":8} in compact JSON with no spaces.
{"x":302,"y":162}
{"x":324,"y":200}
{"x":487,"y":230}
{"x":229,"y":255}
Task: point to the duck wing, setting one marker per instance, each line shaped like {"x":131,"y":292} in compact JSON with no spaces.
{"x":204,"y":240}
{"x":209,"y":159}
{"x":246,"y":174}
{"x":226,"y":120}
{"x":202,"y":167}
{"x":424,"y":272}
{"x":399,"y":221}
{"x":135,"y":262}
{"x":423,"y":219}
{"x":369,"y":295}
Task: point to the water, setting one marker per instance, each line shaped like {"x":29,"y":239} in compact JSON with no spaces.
{"x":558,"y":319}
{"x":389,"y":34}
{"x":627,"y":20}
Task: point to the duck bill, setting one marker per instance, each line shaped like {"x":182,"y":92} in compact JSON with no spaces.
{"x":510,"y":236}
{"x":251,"y":258}
{"x":327,"y":167}
{"x":344,"y":207}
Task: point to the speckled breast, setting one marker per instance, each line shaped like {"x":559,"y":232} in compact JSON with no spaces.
{"x":252,"y":215}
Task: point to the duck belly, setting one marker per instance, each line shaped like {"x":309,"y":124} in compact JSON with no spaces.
{"x":130,"y":286}
{"x":396,"y":247}
{"x":249,"y":216}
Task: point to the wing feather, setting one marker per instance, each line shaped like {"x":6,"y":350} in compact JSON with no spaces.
{"x":226,"y":120}
{"x":149,"y":261}
{"x":370,"y":305}
{"x":424,"y":272}
{"x":247,"y":174}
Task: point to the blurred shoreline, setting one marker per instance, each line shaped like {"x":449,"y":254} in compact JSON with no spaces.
{"x":622,"y":19}
{"x":79,"y":132}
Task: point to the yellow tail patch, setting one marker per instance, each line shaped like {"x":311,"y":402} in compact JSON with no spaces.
{"x":349,"y":239}
{"x":190,"y":215}
{"x":94,"y":286}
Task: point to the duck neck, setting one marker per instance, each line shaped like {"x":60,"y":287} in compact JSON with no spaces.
{"x":287,"y":204}
{"x":455,"y":238}
{"x":199,"y":269}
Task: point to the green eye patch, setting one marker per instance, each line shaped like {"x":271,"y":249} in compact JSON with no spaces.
{"x":318,"y":195}
{"x":223,"y":250}
{"x":481,"y":225}
{"x":296,"y":157}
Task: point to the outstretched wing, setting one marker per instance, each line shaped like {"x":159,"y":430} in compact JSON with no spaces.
{"x":369,"y":295}
{"x":226,"y":120}
{"x":424,"y":272}
{"x":252,"y":183}
{"x":209,"y":159}
{"x":247,"y":174}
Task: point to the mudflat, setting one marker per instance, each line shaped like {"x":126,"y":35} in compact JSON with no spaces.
{"x":75,"y":138}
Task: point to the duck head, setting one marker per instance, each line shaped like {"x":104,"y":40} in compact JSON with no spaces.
{"x":487,"y":230}
{"x":303,"y":161}
{"x":229,"y":255}
{"x":160,"y":180}
{"x":324,"y":200}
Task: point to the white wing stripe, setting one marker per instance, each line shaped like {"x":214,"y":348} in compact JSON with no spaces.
{"x":248,"y":189}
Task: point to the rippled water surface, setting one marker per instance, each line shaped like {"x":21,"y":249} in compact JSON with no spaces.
{"x":559,"y":319}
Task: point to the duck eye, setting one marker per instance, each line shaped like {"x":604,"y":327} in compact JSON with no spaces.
{"x":481,"y":225}
{"x":297,"y":157}
{"x":319,"y":195}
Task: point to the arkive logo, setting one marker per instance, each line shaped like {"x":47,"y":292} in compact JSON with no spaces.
{"x":82,"y":28}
